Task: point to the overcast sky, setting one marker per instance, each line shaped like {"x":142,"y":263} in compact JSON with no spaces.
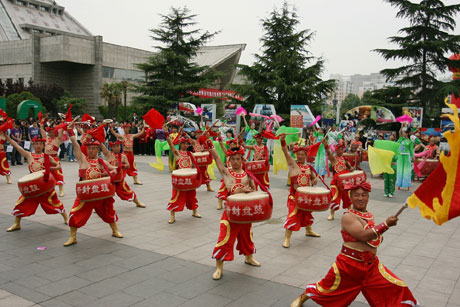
{"x":346,"y":30}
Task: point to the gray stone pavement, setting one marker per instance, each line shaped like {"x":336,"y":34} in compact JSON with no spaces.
{"x":158,"y":264}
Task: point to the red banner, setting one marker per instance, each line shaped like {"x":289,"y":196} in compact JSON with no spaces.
{"x":213,"y":93}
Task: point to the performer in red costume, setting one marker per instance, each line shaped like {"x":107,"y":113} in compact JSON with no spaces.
{"x":181,"y":199}
{"x":197,"y":147}
{"x":91,"y":168}
{"x":260,"y":154}
{"x":236,"y":181}
{"x":222,"y":193}
{"x":357,"y":268}
{"x":49,"y":201}
{"x":301,"y":175}
{"x":52,"y":144}
{"x":339,"y":166}
{"x":116,"y":158}
{"x":4,"y":166}
{"x":128,"y":141}
{"x":84,"y":137}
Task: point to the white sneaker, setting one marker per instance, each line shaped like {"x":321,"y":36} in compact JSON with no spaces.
{"x":385,"y":195}
{"x":390,"y":195}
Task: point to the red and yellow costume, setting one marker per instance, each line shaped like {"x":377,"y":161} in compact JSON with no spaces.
{"x":260,"y":153}
{"x":205,"y":179}
{"x":122,"y":188}
{"x":128,"y":143}
{"x":4,"y":166}
{"x":229,"y":232}
{"x":356,"y":271}
{"x":49,"y":201}
{"x":339,"y":194}
{"x":81,"y":211}
{"x":298,"y":218}
{"x":181,"y":199}
{"x":52,"y":150}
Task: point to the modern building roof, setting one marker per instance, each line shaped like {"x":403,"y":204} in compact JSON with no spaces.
{"x":20,"y":18}
{"x":213,"y":56}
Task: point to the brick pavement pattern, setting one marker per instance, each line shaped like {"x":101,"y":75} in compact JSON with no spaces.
{"x":158,"y":264}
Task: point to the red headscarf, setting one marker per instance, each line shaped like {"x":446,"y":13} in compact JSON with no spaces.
{"x":299,"y":148}
{"x":366,"y":186}
{"x":92,"y":142}
{"x":240,"y":151}
{"x":127,"y":125}
{"x":117,"y":142}
{"x":37,"y":140}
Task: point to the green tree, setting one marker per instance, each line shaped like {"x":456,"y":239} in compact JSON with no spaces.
{"x":13,"y":100}
{"x":111,"y":92}
{"x":172,"y":73}
{"x":351,"y":101}
{"x":425,"y":46}
{"x":78,"y":104}
{"x":285,"y":73}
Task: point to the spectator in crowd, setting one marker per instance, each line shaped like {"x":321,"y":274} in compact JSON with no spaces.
{"x":16,"y":135}
{"x":34,"y":131}
{"x":362,"y":139}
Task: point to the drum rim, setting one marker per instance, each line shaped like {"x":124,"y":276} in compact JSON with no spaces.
{"x":241,"y":200}
{"x":351,"y":173}
{"x":37,"y":172}
{"x":93,"y":180}
{"x":326,"y":191}
{"x":193,"y":170}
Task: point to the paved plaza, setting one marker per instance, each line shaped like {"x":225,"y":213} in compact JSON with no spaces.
{"x":158,"y":264}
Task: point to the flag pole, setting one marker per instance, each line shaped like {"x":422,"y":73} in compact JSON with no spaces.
{"x":401,"y":210}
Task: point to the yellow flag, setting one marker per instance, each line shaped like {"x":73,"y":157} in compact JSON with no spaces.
{"x":380,"y":160}
{"x":211,"y":170}
{"x":279,"y":161}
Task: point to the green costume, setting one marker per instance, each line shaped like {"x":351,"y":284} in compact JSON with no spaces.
{"x":389,"y":180}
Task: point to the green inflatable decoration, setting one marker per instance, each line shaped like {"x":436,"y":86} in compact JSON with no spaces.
{"x":3,"y":104}
{"x":29,"y":108}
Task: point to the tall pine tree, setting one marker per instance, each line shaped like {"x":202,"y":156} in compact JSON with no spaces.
{"x":171,"y":73}
{"x":425,"y":45}
{"x":286,"y":73}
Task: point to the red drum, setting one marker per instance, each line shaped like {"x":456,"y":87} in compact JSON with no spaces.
{"x":95,"y":189}
{"x":312,"y":198}
{"x":258,"y":167}
{"x":354,"y":177}
{"x":364,"y":156}
{"x":33,"y":185}
{"x":185,"y":179}
{"x":244,"y":208}
{"x":428,"y":167}
{"x":203,"y":158}
{"x":352,"y":158}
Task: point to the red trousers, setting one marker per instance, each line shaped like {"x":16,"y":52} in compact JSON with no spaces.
{"x":339,"y":195}
{"x":81,"y":211}
{"x":297,"y":218}
{"x":263,"y":179}
{"x":49,"y":202}
{"x":180,"y":199}
{"x":57,"y":174}
{"x":132,"y":170}
{"x":348,"y":277}
{"x":229,"y":232}
{"x":222,"y":193}
{"x":4,"y":166}
{"x":205,"y":179}
{"x":124,"y":191}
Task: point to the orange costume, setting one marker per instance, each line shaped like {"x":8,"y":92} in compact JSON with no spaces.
{"x":180,"y":199}
{"x":52,"y":151}
{"x":338,"y":194}
{"x":229,"y":232}
{"x":122,"y":188}
{"x":4,"y":166}
{"x":49,"y":201}
{"x":356,"y":271}
{"x":298,"y":218}
{"x":81,"y":211}
{"x":128,"y":143}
